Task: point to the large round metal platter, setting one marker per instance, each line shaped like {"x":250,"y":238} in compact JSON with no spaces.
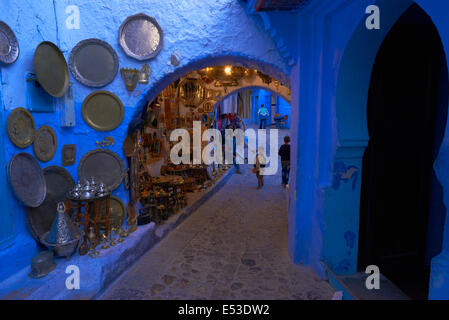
{"x":94,"y":62}
{"x":117,"y":213}
{"x":51,"y":69}
{"x":27,"y":179}
{"x":45,"y":143}
{"x":9,"y":46}
{"x":102,"y":110}
{"x":141,"y":37}
{"x":21,"y":128}
{"x":58,"y":183}
{"x":103,"y":165}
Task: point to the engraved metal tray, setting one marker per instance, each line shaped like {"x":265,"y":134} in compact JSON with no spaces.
{"x":27,"y":179}
{"x":102,"y":110}
{"x":58,"y":183}
{"x":9,"y":46}
{"x":45,"y":143}
{"x":51,"y":69}
{"x":117,"y":213}
{"x":21,"y":127}
{"x":103,"y":165}
{"x":141,"y":37}
{"x":94,"y":62}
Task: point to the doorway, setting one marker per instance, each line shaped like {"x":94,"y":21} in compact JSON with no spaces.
{"x":407,"y":111}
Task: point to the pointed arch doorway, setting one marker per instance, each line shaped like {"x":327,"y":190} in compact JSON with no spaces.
{"x":402,"y":213}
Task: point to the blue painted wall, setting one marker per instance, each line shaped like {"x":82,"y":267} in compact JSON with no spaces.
{"x":215,"y":32}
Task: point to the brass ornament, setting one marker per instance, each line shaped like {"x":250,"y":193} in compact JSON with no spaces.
{"x":144,"y":74}
{"x":130,"y":77}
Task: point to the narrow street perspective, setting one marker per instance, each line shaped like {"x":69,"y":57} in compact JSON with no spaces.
{"x":233,"y":247}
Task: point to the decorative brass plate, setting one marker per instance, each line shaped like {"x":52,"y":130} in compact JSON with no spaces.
{"x":9,"y":46}
{"x":141,"y":37}
{"x":21,"y":128}
{"x":68,"y":155}
{"x":104,"y":165}
{"x":51,"y":69}
{"x":27,"y":179}
{"x":93,"y":62}
{"x":45,"y":143}
{"x":102,"y":110}
{"x":58,"y":182}
{"x":117,"y":213}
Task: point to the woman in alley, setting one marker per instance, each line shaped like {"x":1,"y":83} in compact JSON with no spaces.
{"x":259,"y":167}
{"x":263,"y":116}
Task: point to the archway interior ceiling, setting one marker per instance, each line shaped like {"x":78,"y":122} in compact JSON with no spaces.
{"x":213,"y":84}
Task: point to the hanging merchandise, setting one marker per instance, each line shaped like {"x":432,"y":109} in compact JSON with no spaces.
{"x":130,"y":78}
{"x":68,"y":155}
{"x":144,"y":74}
{"x":58,"y":183}
{"x":104,"y":165}
{"x":9,"y":46}
{"x":51,"y":69}
{"x":21,"y":128}
{"x":141,"y":37}
{"x":45,"y":143}
{"x":102,"y":110}
{"x":27,"y":179}
{"x":94,"y":63}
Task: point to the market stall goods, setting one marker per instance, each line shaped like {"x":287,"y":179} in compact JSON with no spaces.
{"x":102,"y":110}
{"x":51,"y":69}
{"x":21,"y":127}
{"x":27,"y":179}
{"x":45,"y":143}
{"x":94,"y":63}
{"x":9,"y":46}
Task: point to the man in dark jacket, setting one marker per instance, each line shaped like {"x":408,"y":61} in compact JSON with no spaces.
{"x":284,"y":152}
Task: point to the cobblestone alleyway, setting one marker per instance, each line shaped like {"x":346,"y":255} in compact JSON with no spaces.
{"x":233,"y":247}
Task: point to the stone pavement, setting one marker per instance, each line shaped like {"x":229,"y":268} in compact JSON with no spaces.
{"x":233,"y":247}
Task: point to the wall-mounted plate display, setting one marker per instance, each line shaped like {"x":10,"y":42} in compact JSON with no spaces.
{"x":117,"y":213}
{"x":141,"y":37}
{"x":103,"y":165}
{"x":27,"y":179}
{"x":45,"y":143}
{"x":9,"y":46}
{"x":51,"y":69}
{"x":58,"y":183}
{"x":68,"y":155}
{"x":94,"y":63}
{"x":102,"y":110}
{"x":21,"y":128}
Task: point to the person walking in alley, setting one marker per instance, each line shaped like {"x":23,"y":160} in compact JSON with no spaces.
{"x":263,"y":116}
{"x":259,"y":167}
{"x":284,"y":153}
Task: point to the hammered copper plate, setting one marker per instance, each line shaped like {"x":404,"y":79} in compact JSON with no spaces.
{"x":117,"y":213}
{"x":141,"y":37}
{"x":94,"y":63}
{"x":45,"y":143}
{"x":27,"y":179}
{"x":58,"y":183}
{"x":9,"y":46}
{"x":102,"y":110}
{"x":21,"y":128}
{"x":51,"y":69}
{"x":104,"y":165}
